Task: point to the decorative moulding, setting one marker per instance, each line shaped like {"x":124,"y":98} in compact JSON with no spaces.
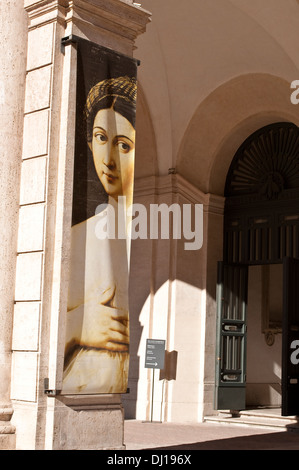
{"x":177,"y":184}
{"x":117,"y":16}
{"x":45,"y":11}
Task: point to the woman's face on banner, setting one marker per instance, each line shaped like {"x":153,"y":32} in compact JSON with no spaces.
{"x":113,"y":149}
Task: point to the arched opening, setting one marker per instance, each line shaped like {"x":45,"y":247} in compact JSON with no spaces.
{"x":222,"y":122}
{"x":261,"y":236}
{"x":262,"y":194}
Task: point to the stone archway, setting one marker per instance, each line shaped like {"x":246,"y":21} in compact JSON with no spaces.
{"x":224,"y":120}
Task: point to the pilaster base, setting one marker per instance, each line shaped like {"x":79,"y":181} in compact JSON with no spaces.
{"x":7,"y":441}
{"x":7,"y":430}
{"x":86,"y":423}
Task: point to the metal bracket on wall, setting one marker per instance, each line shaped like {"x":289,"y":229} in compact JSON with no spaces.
{"x":72,"y":39}
{"x":47,"y":391}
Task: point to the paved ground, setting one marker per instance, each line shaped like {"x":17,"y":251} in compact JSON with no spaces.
{"x":205,"y":436}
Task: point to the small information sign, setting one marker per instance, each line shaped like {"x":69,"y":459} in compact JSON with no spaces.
{"x":155,"y":353}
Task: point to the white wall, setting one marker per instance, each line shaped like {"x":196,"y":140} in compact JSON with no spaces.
{"x":263,"y":361}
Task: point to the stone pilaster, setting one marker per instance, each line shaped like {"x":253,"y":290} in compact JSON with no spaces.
{"x":46,"y":420}
{"x":13,"y":60}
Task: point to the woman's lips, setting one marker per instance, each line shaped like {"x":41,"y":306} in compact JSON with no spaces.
{"x":110,"y":176}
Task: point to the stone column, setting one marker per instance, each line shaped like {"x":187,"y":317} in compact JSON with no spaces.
{"x":213,"y":247}
{"x":43,"y":419}
{"x":12,"y":57}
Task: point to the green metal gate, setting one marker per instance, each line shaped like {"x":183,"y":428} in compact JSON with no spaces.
{"x":231,"y":337}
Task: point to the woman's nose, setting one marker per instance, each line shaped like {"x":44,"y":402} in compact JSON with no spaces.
{"x":109,"y":158}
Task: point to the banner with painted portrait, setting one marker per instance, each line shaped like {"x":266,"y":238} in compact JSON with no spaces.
{"x":97,"y":328}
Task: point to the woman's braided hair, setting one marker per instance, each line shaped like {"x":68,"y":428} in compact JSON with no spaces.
{"x":119,"y":93}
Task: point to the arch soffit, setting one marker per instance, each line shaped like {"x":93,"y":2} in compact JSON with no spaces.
{"x":224,"y":120}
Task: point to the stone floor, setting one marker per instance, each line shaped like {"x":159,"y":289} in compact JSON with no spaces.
{"x":209,"y":435}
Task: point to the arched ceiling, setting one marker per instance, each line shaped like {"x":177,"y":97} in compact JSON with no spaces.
{"x":191,"y":48}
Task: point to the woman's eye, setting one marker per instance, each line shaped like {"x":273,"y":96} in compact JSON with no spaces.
{"x":124,"y":147}
{"x":100,"y":137}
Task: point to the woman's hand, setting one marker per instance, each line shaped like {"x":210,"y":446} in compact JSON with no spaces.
{"x":102,"y":325}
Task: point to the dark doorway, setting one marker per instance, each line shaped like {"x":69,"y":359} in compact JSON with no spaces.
{"x":261,"y":228}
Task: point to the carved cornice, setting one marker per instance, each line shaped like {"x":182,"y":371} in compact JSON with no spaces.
{"x":116,"y":16}
{"x":177,"y":184}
